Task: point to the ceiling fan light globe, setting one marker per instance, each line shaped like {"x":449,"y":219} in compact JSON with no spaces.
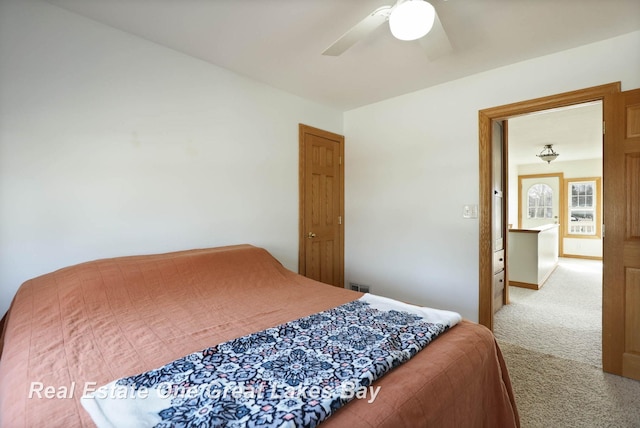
{"x":412,"y":19}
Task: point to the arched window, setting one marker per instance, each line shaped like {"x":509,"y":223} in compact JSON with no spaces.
{"x":540,"y":201}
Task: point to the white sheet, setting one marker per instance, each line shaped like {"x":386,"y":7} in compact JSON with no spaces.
{"x":429,"y":314}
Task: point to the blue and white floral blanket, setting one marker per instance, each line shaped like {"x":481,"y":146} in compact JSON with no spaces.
{"x":292,"y":375}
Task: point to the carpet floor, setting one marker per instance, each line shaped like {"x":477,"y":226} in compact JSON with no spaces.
{"x":552,"y":343}
{"x":557,"y":392}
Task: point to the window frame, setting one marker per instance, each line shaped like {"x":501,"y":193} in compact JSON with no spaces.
{"x":597,"y":209}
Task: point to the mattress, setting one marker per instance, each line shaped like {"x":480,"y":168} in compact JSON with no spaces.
{"x":86,"y":325}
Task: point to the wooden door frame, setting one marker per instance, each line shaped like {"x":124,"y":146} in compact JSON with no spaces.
{"x":602,"y":93}
{"x":302,"y":227}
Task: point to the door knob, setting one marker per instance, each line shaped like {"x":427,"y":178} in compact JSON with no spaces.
{"x":311,"y":235}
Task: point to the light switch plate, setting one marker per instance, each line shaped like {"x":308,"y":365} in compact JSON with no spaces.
{"x":470,"y":211}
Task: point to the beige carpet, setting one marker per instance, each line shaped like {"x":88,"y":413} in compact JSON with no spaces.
{"x":551,"y":340}
{"x":563,"y":318}
{"x":556,"y":392}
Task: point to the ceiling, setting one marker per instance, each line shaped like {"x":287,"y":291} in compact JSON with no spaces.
{"x":575,"y":132}
{"x":279,"y":42}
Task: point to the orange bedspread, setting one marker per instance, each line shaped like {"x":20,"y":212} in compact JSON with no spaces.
{"x":86,"y":325}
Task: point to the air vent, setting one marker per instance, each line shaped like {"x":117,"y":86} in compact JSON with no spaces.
{"x":359,"y":287}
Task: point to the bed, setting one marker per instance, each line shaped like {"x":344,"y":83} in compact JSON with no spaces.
{"x":86,"y":325}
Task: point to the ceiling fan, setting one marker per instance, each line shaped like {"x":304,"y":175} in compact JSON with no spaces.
{"x":408,"y":20}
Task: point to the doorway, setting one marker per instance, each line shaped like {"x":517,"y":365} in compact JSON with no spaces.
{"x":621,"y":211}
{"x":604,"y":93}
{"x":558,"y":311}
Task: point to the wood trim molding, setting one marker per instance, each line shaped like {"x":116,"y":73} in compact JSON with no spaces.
{"x":485,"y":117}
{"x":598,"y":181}
{"x":577,"y":256}
{"x":594,"y":93}
{"x":532,"y":286}
{"x":528,"y":285}
{"x":485,"y":221}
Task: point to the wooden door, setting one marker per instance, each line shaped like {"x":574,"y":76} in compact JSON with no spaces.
{"x":321,"y":206}
{"x":621,"y":252}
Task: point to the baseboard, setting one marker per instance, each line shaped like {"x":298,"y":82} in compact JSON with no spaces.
{"x":576,"y":256}
{"x":532,"y":286}
{"x":528,"y":285}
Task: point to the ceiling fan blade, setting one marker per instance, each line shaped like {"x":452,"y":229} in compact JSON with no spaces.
{"x":436,"y":43}
{"x":359,"y":31}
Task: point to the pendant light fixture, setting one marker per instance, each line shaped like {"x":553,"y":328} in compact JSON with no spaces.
{"x":548,"y":154}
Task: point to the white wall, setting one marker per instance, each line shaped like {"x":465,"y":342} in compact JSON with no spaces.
{"x":569,"y":169}
{"x":412,"y":164}
{"x":112,"y":145}
{"x":586,"y":247}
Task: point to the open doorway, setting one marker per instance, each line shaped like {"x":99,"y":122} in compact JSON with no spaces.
{"x":555,"y":288}
{"x":606,"y":93}
{"x":609,"y":95}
